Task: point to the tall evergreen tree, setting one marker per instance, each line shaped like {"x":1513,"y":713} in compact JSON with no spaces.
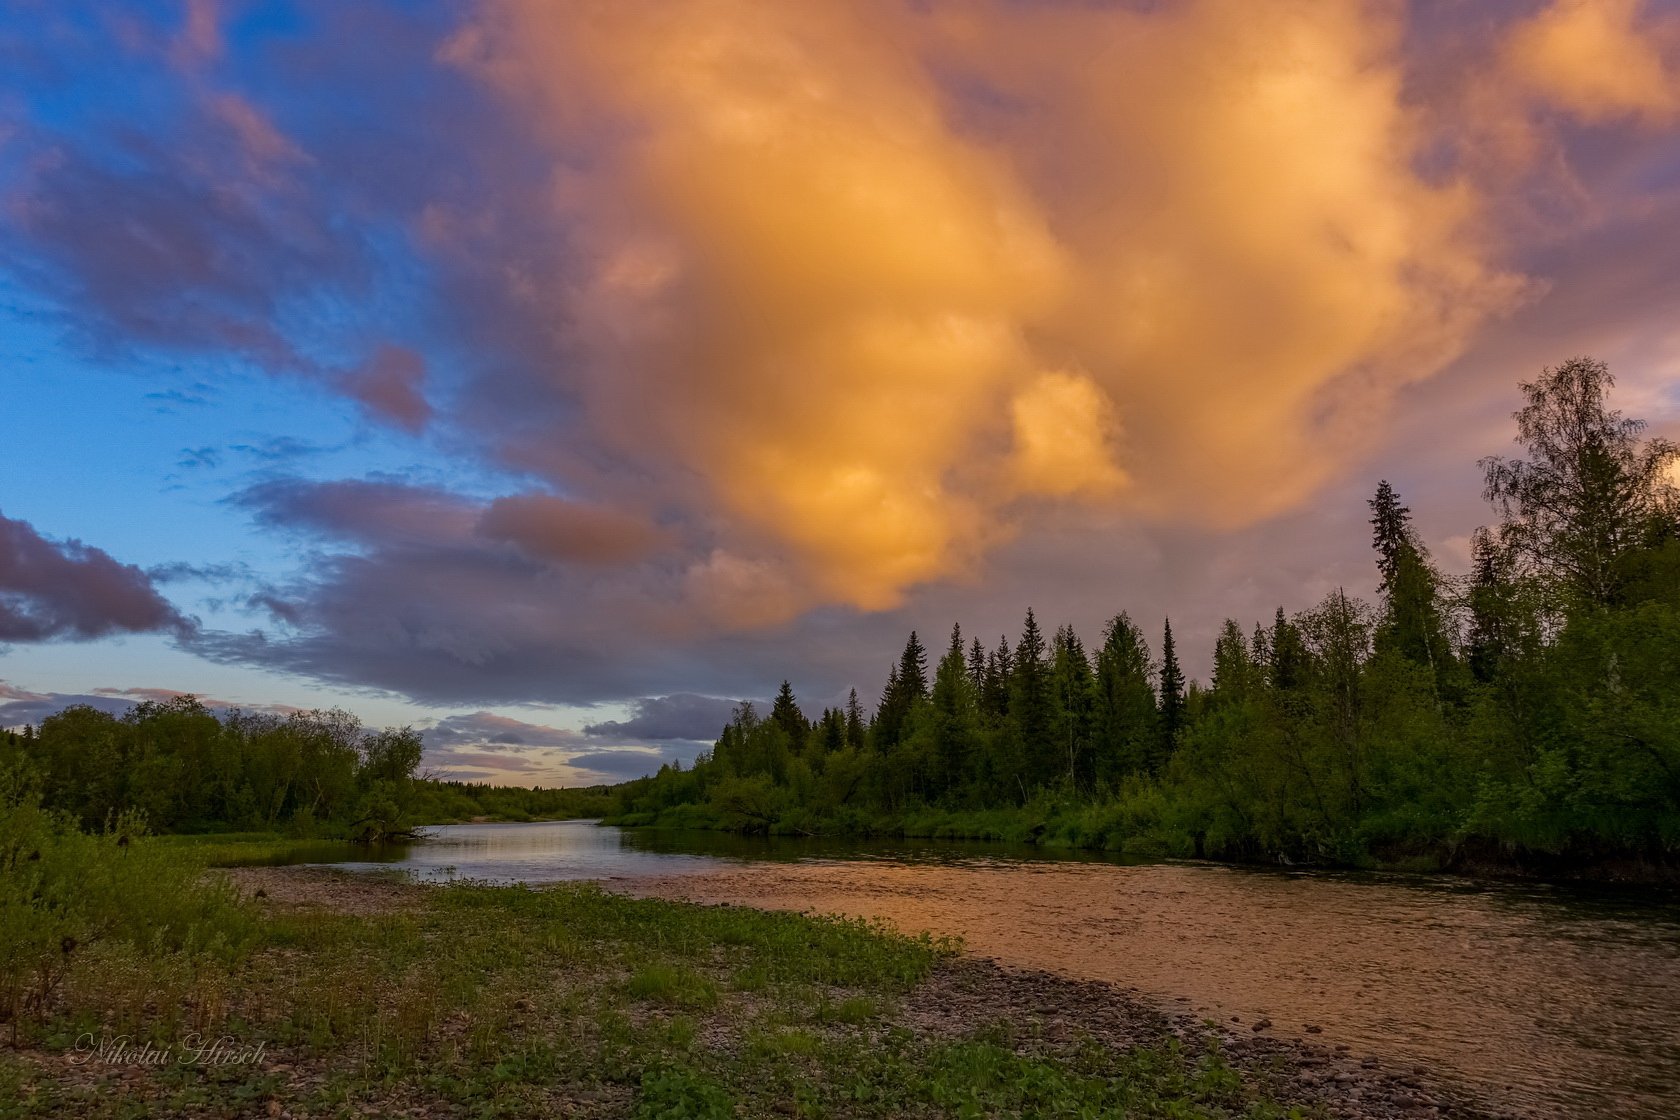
{"x":856,"y":724}
{"x":1485,"y":643}
{"x":1125,"y":708}
{"x":832,"y":728}
{"x":1391,"y":531}
{"x":1074,"y":687}
{"x":1412,"y":624}
{"x":785,"y":713}
{"x":954,"y":726}
{"x":977,"y":667}
{"x":912,"y":670}
{"x":1171,"y":696}
{"x":1289,"y":658}
{"x":1000,"y":673}
{"x":1032,"y":717}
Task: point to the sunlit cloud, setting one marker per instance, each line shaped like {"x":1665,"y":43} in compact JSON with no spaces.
{"x":816,"y":273}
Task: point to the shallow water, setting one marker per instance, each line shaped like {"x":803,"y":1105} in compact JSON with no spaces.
{"x":1562,"y":1001}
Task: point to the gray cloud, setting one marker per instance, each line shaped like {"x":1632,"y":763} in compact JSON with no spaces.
{"x":683,"y":715}
{"x":68,"y":590}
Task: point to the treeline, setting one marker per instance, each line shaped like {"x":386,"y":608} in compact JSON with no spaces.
{"x":445,"y":802}
{"x":184,"y":768}
{"x":1530,"y":708}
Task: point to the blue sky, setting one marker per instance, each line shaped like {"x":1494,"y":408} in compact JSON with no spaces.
{"x":548,"y":376}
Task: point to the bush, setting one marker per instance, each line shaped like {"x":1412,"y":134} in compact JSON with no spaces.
{"x":66,"y":894}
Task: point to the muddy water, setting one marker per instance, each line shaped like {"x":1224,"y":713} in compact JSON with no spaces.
{"x":1558,"y":1001}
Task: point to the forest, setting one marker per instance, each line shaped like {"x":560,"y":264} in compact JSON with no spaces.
{"x":1525,"y":712}
{"x":182,"y":768}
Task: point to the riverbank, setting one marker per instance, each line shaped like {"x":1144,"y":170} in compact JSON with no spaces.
{"x":373,"y":996}
{"x":1098,"y":828}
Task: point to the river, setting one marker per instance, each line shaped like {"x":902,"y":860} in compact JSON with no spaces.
{"x":1562,"y":1001}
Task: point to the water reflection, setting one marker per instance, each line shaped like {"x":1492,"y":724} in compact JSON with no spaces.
{"x":1562,"y":1000}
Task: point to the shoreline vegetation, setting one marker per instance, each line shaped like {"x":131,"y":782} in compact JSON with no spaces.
{"x":320,"y":993}
{"x":1522,"y":718}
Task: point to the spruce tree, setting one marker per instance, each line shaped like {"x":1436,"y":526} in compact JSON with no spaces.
{"x":1412,"y":619}
{"x":1075,"y":690}
{"x":912,"y":670}
{"x":856,"y":724}
{"x":785,"y":714}
{"x":1171,"y":697}
{"x":1125,"y":717}
{"x":1032,"y":710}
{"x":1391,"y":531}
{"x":956,"y":723}
{"x":977,"y":666}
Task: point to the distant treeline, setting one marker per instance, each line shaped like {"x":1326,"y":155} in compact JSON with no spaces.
{"x":187,"y":769}
{"x":1530,"y":709}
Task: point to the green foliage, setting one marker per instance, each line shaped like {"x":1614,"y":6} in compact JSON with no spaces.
{"x":183,"y":769}
{"x":679,"y":1093}
{"x":1528,"y":712}
{"x":67,"y":896}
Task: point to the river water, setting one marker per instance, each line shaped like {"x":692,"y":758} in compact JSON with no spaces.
{"x":1560,"y":1001}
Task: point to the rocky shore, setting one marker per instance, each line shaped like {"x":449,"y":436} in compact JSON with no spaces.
{"x":1054,"y":1011}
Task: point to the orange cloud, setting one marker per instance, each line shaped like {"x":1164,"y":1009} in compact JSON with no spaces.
{"x":1600,"y":61}
{"x":836,"y":263}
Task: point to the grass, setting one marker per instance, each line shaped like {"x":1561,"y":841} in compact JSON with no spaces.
{"x":259,"y":849}
{"x":471,"y":1000}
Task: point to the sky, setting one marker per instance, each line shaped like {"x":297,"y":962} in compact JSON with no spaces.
{"x":548,"y":377}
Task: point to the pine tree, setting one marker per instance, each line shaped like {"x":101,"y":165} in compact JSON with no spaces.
{"x":833,"y":737}
{"x":1485,"y":644}
{"x":1032,"y":710}
{"x":1391,"y":531}
{"x":1000,"y":674}
{"x":1412,"y":624}
{"x":1289,"y":657}
{"x":856,"y":724}
{"x":1126,"y":717}
{"x":955,"y":726}
{"x":977,"y":667}
{"x":1171,"y":697}
{"x":889,"y":713}
{"x":1075,"y":691}
{"x":785,"y":714}
{"x":912,"y":671}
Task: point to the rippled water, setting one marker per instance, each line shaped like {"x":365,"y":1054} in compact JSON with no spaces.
{"x":1560,"y":1000}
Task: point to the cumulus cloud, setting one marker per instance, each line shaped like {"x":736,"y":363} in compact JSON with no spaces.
{"x":69,"y":590}
{"x":856,"y":289}
{"x":1602,"y":59}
